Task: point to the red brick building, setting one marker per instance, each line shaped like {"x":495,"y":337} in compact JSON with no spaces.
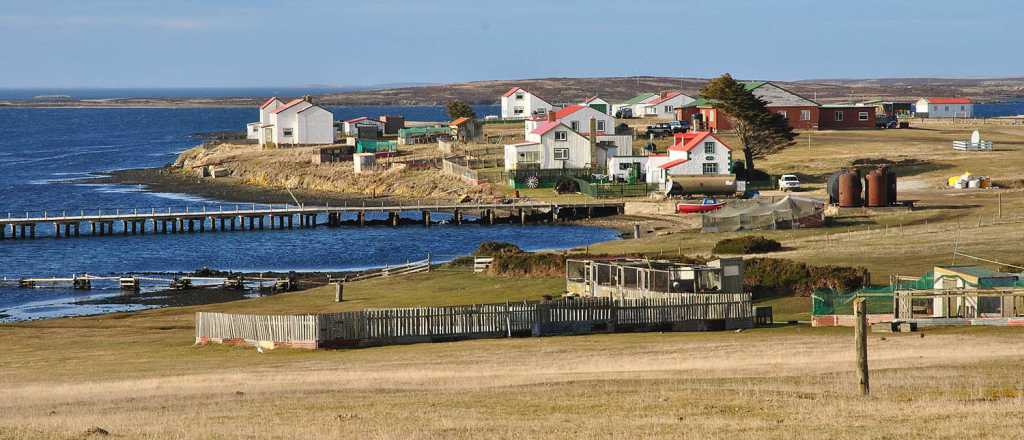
{"x":839,"y":117}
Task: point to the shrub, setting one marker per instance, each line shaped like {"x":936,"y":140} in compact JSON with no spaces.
{"x":747,"y":245}
{"x":775,"y":277}
{"x":526,"y":264}
{"x":567,"y":185}
{"x":495,"y":248}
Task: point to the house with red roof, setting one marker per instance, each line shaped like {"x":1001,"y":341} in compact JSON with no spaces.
{"x":944,"y":108}
{"x":664,"y":106}
{"x":553,"y":144}
{"x":350,"y":127}
{"x":253,"y":128}
{"x":297,"y":122}
{"x":518,"y":103}
{"x":698,"y":153}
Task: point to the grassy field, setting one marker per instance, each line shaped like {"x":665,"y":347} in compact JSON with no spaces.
{"x":137,"y":375}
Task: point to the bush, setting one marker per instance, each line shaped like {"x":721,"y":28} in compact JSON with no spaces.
{"x":526,"y":264}
{"x":747,"y":245}
{"x":767,"y":277}
{"x":496,"y":248}
{"x":567,"y":185}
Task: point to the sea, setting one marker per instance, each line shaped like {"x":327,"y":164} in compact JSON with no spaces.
{"x":46,"y":152}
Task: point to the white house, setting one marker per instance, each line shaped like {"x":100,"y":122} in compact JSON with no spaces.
{"x":944,"y":108}
{"x":299,"y":122}
{"x":635,"y":104}
{"x":578,"y":117}
{"x":664,"y":106}
{"x":351,"y":126}
{"x":517,"y":103}
{"x":692,"y":154}
{"x":252,"y":130}
{"x":555,"y":145}
{"x":619,"y":167}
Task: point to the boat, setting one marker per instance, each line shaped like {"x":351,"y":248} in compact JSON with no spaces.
{"x":706,"y":205}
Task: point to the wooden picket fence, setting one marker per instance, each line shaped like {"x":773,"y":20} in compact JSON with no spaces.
{"x":387,"y":271}
{"x":433,"y":324}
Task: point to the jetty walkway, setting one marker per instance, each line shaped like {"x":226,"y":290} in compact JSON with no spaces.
{"x":107,"y":222}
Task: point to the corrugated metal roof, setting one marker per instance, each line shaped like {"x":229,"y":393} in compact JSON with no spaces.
{"x":640,"y":98}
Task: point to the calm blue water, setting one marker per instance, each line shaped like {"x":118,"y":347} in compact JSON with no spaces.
{"x":41,"y":149}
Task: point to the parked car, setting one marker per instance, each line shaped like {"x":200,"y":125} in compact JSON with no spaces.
{"x":680,"y":126}
{"x":885,"y":121}
{"x":665,"y":129}
{"x":788,"y":182}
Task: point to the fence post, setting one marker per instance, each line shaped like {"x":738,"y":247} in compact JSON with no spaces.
{"x":339,"y":291}
{"x":860,"y":335}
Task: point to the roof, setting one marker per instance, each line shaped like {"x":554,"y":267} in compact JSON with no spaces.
{"x":640,"y":98}
{"x":569,"y":110}
{"x":978,"y":271}
{"x":591,"y":99}
{"x":289,"y":105}
{"x":949,"y":100}
{"x":754,"y":85}
{"x":668,"y":96}
{"x":672,"y":163}
{"x":545,"y":127}
{"x":690,"y":140}
{"x":460,"y":121}
{"x":354,"y":120}
{"x":269,"y":101}
{"x":313,"y":107}
{"x":512,"y":91}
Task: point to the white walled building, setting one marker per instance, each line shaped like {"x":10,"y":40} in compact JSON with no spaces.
{"x":253,"y":128}
{"x":944,"y":108}
{"x":555,"y":145}
{"x":351,"y":126}
{"x":692,"y":154}
{"x":518,"y":103}
{"x":664,"y":106}
{"x":299,"y":122}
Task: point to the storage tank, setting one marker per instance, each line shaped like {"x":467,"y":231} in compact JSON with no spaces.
{"x":833,"y":187}
{"x":720,"y":185}
{"x":876,"y":189}
{"x":850,"y":190}
{"x":890,"y":185}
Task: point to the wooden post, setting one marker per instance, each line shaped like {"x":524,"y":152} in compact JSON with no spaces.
{"x":860,"y":336}
{"x":339,"y":291}
{"x":636,"y":230}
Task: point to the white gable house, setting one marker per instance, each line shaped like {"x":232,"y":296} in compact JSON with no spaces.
{"x":351,"y":126}
{"x":944,"y":108}
{"x":518,"y":103}
{"x":554,"y":145}
{"x":299,"y":122}
{"x":693,"y":154}
{"x":665,"y":105}
{"x":252,"y":129}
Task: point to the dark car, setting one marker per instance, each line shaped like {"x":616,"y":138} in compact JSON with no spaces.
{"x":624,"y":113}
{"x":886,"y":121}
{"x":659,"y":129}
{"x":680,"y":126}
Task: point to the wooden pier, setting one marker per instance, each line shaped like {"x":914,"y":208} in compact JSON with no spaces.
{"x":107,"y":222}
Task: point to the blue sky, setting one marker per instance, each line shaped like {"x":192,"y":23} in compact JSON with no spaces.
{"x":143,"y":43}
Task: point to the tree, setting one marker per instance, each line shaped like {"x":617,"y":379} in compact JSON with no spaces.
{"x":459,"y":109}
{"x":761,"y":132}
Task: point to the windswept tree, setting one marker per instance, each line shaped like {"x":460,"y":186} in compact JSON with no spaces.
{"x":459,"y":109}
{"x":761,"y":131}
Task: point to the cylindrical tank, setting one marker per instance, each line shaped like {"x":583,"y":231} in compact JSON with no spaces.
{"x":890,"y":185}
{"x":876,"y":189}
{"x":833,"y":187}
{"x":706,"y":185}
{"x":849,"y":190}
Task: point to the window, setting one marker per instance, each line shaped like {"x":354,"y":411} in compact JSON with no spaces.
{"x":575,"y":125}
{"x":805,"y":115}
{"x":529,"y":157}
{"x":783,"y":113}
{"x":947,"y":108}
{"x":519,"y":96}
{"x":517,"y":110}
{"x":287,"y":132}
{"x":561,"y":135}
{"x":711,"y":168}
{"x":600,"y":125}
{"x":962,"y":108}
{"x":624,"y":166}
{"x":561,"y":153}
{"x":668,"y":109}
{"x":839,"y":116}
{"x":862,"y":116}
{"x":709,"y":148}
{"x":541,"y":111}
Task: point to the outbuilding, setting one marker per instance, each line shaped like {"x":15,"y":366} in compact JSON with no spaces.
{"x":944,"y":108}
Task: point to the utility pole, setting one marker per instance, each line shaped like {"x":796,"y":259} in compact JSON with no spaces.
{"x":860,"y":336}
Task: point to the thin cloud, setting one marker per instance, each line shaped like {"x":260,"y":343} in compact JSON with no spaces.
{"x":89,"y":21}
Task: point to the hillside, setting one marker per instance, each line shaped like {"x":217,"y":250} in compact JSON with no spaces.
{"x":562,"y":90}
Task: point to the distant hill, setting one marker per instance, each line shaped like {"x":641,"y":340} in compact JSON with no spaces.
{"x":566,"y":90}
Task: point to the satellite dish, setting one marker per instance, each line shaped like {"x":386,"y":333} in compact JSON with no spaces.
{"x":975,"y":137}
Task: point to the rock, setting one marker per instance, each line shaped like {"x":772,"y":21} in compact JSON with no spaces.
{"x":96,"y":431}
{"x":739,"y":330}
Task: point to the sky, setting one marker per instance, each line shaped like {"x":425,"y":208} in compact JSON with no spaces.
{"x":263,"y":43}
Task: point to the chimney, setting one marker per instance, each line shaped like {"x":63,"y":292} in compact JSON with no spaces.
{"x":551,"y":116}
{"x":593,"y":143}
